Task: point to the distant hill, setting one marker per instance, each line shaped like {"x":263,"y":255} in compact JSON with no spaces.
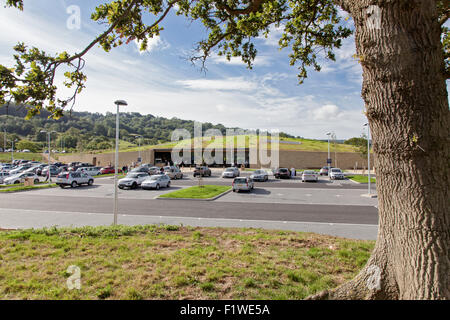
{"x":96,"y":131}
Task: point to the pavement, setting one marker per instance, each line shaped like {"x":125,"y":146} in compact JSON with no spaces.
{"x":334,"y":208}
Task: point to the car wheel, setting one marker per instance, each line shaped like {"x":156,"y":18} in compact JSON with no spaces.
{"x":36,"y":180}
{"x":157,"y":187}
{"x":74,"y":184}
{"x":90,"y":182}
{"x":16,"y":182}
{"x":168,"y":184}
{"x":134,"y":186}
{"x":61,"y":186}
{"x":120,"y":187}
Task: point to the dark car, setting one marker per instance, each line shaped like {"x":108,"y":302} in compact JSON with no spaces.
{"x":144,"y":169}
{"x":283,"y":173}
{"x":202,"y":171}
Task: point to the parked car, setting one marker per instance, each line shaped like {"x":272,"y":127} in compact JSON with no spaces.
{"x":92,"y":171}
{"x":323,"y":171}
{"x":20,"y":169}
{"x":243,"y":183}
{"x":40,"y":168}
{"x":156,"y":182}
{"x":32,"y":169}
{"x":3,"y":176}
{"x":132,"y":180}
{"x":20,"y":178}
{"x":283,"y":173}
{"x":142,"y":169}
{"x":202,"y":171}
{"x":260,"y":175}
{"x":173,"y":172}
{"x":54,"y":171}
{"x":6,"y":167}
{"x":336,"y":173}
{"x":231,"y":172}
{"x":73,"y":179}
{"x":310,"y":175}
{"x":109,"y":169}
{"x":154,"y":170}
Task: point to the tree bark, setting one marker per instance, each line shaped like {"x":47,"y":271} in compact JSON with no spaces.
{"x":404,"y":89}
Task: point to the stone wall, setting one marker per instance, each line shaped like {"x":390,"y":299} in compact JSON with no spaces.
{"x":288,"y":159}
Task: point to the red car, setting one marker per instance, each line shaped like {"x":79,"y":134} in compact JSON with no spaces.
{"x":109,"y":169}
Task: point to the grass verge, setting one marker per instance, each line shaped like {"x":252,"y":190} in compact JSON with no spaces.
{"x":171,"y":262}
{"x":362,"y":179}
{"x":197,"y":192}
{"x":16,"y":188}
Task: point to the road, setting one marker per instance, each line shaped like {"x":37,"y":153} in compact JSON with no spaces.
{"x":289,"y":205}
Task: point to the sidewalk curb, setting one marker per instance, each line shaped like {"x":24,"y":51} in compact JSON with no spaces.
{"x":191,"y":199}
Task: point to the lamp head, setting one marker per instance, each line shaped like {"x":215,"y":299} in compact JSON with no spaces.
{"x":121,"y":102}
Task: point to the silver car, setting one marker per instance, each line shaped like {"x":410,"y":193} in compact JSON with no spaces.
{"x":336,"y":173}
{"x":3,"y":176}
{"x":231,"y":173}
{"x":92,"y":171}
{"x":310,"y":175}
{"x":132,"y":180}
{"x":243,"y":183}
{"x":20,"y":178}
{"x":260,"y":175}
{"x":73,"y":179}
{"x":173,"y":172}
{"x":156,"y":182}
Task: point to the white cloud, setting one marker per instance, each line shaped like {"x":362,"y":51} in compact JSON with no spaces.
{"x":155,"y":43}
{"x":273,"y":37}
{"x":235,"y":84}
{"x":237,"y":61}
{"x":326,"y":112}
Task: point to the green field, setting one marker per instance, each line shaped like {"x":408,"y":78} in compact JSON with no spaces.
{"x":21,"y":187}
{"x":197,"y":192}
{"x":362,"y":179}
{"x":172,"y":262}
{"x":6,"y":156}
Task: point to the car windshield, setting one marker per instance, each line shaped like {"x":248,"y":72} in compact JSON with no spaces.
{"x":240,"y":180}
{"x":229,"y":169}
{"x":133,"y":175}
{"x":283,"y":170}
{"x":335,"y":170}
{"x":260,"y":172}
{"x":308,"y":172}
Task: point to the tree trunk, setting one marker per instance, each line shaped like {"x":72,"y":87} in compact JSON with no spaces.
{"x":404,"y":89}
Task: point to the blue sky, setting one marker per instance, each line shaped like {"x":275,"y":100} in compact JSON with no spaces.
{"x":162,"y":82}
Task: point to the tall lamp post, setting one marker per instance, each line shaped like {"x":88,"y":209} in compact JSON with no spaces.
{"x":139,"y":156}
{"x":49,"y":135}
{"x":368,"y":154}
{"x":328,"y":160}
{"x":12,"y":149}
{"x":116,"y":162}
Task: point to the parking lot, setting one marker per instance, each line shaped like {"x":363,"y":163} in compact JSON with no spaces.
{"x":330,"y":207}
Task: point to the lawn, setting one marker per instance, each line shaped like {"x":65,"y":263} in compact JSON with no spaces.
{"x":21,"y":187}
{"x":197,"y":192}
{"x":171,"y":262}
{"x":6,"y":156}
{"x":362,"y":179}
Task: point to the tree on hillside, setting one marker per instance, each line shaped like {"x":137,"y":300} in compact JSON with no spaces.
{"x":398,"y":43}
{"x":360,"y":144}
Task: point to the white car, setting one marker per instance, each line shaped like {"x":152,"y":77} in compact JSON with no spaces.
{"x":232,"y":172}
{"x":20,"y":178}
{"x":243,"y":183}
{"x":310,"y":175}
{"x":20,"y":169}
{"x":133,"y":180}
{"x":92,"y":171}
{"x":156,"y":182}
{"x":336,"y":173}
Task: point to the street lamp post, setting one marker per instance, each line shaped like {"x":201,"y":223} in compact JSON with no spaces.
{"x":116,"y":162}
{"x":49,"y":134}
{"x":368,"y":154}
{"x":139,"y":149}
{"x":12,"y":150}
{"x":328,"y":160}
